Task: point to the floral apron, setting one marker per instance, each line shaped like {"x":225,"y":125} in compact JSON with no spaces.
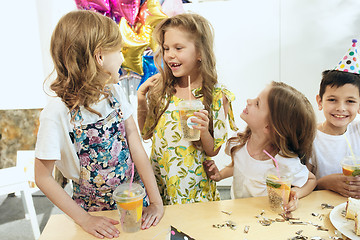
{"x":105,"y":160}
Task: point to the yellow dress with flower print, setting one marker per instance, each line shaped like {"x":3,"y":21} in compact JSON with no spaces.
{"x":177,"y":163}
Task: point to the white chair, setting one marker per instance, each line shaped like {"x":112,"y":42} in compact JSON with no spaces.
{"x":12,"y":180}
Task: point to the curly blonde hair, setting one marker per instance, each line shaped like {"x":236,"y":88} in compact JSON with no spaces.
{"x":292,"y":123}
{"x":78,"y":37}
{"x":158,"y":98}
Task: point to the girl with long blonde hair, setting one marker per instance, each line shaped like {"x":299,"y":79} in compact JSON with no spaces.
{"x":185,"y":57}
{"x":87,"y":129}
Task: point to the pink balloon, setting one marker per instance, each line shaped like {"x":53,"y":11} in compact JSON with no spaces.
{"x":172,"y":7}
{"x":125,"y":8}
{"x":102,"y":6}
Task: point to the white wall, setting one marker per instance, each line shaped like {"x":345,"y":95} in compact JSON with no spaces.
{"x":255,"y":42}
{"x":21,"y":60}
{"x":282,"y":40}
{"x":26,"y":28}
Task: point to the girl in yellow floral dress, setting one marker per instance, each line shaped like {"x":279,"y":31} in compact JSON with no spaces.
{"x":186,"y":51}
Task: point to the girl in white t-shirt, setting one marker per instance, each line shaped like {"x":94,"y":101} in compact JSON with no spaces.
{"x":280,"y":121}
{"x":87,"y":130}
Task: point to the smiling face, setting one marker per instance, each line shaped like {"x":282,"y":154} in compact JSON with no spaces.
{"x":256,"y":112}
{"x":180,"y":53}
{"x":340,"y":105}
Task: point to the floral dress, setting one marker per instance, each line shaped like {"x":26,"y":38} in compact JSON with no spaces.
{"x":105,"y":160}
{"x":177,"y":163}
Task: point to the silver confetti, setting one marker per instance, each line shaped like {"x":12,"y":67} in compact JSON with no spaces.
{"x":228,"y":213}
{"x":328,"y":206}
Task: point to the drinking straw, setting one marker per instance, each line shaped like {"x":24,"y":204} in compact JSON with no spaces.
{"x":277,"y":170}
{"x":189,"y":87}
{"x":352,"y":153}
{"x":132,"y":176}
{"x":276,"y":163}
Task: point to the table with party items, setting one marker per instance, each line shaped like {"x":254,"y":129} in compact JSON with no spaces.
{"x":320,"y":215}
{"x":181,"y":170}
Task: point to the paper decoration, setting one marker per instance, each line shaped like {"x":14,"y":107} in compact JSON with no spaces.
{"x":178,"y":235}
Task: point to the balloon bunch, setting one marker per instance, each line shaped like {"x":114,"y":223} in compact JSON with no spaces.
{"x":138,"y":37}
{"x":137,"y":20}
{"x":112,"y":8}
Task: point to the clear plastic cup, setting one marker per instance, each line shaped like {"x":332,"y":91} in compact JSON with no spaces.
{"x":351,"y":166}
{"x":129,"y":203}
{"x":186,"y":110}
{"x":278,"y":183}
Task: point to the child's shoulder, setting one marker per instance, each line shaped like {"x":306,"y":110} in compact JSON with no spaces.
{"x":354,"y":126}
{"x":222,"y":90}
{"x":56,"y":105}
{"x":55,"y":109}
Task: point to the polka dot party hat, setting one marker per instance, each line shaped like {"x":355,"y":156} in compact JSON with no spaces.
{"x":350,"y":62}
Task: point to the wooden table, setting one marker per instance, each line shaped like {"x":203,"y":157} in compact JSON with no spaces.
{"x":197,"y":220}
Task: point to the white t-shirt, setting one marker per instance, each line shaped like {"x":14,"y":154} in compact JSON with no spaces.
{"x":249,"y":178}
{"x":53,"y":139}
{"x":329,"y":150}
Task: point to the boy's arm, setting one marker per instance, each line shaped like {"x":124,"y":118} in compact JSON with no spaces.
{"x":344,"y":185}
{"x":330,"y":182}
{"x":155,"y":211}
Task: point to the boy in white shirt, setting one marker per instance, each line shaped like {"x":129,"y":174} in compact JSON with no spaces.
{"x":339,"y":135}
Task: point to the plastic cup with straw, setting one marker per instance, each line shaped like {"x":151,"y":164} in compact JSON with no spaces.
{"x":278,"y":183}
{"x":129,"y":201}
{"x":350,"y":164}
{"x":186,"y":112}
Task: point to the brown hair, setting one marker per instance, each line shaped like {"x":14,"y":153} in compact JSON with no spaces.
{"x":292,"y":123}
{"x":159,"y":96}
{"x":77,"y":38}
{"x":334,"y":78}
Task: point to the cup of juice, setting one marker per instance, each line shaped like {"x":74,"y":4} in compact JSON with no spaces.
{"x":351,"y":166}
{"x":186,"y":111}
{"x":278,"y":184}
{"x":129,"y":202}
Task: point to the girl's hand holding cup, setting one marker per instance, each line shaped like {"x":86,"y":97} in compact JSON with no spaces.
{"x":293,"y":201}
{"x":202,"y":121}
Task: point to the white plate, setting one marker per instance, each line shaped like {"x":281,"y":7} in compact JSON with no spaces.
{"x":345,"y":226}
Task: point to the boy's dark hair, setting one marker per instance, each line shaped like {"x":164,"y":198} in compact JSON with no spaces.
{"x":338,"y":79}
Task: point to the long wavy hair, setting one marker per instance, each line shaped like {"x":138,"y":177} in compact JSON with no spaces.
{"x":158,"y":98}
{"x":78,"y":37}
{"x":292,"y":124}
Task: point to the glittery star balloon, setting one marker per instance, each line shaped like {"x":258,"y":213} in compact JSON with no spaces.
{"x":150,"y":13}
{"x":132,"y":49}
{"x":149,"y":16}
{"x":101,"y":6}
{"x":145,"y":34}
{"x":125,"y":8}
